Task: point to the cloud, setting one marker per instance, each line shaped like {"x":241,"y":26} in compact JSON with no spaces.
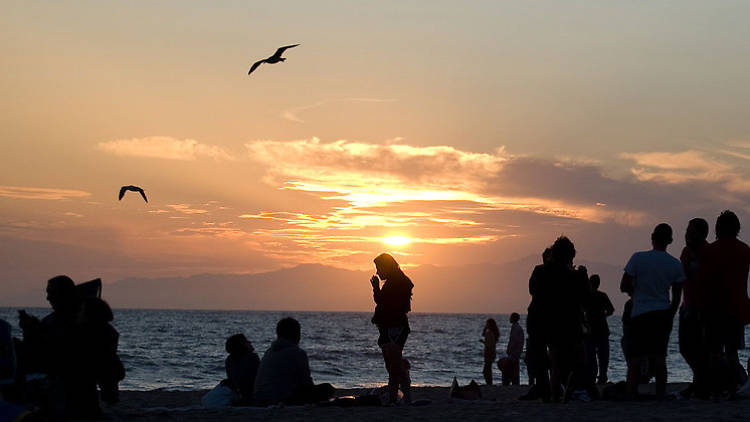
{"x":186,"y":209}
{"x":164,"y":147}
{"x":50,"y":194}
{"x":680,"y":168}
{"x":292,"y":114}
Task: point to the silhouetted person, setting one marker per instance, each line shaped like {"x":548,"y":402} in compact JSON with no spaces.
{"x":49,"y":346}
{"x":691,"y":337}
{"x":393,"y":302}
{"x":512,"y":374}
{"x":722,"y":286}
{"x":648,"y":276}
{"x":537,"y":361}
{"x":284,"y":372}
{"x":597,"y":341}
{"x":490,"y":337}
{"x":7,"y":357}
{"x":559,"y":291}
{"x":242,"y":367}
{"x":100,"y":341}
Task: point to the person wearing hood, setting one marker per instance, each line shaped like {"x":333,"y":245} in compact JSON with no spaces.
{"x":284,"y":372}
{"x":392,"y":302}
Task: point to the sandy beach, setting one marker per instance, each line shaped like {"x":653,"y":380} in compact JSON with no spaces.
{"x":498,"y":403}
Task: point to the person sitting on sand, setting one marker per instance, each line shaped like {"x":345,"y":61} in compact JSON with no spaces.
{"x":490,"y":334}
{"x":99,"y":341}
{"x":393,"y":302}
{"x":242,"y":367}
{"x":284,"y":372}
{"x":648,"y":277}
{"x":512,"y":374}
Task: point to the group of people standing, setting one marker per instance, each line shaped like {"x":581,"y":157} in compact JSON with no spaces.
{"x":568,"y":336}
{"x":510,"y":364}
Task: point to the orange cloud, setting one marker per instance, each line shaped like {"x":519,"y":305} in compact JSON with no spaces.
{"x":49,"y":194}
{"x":163,"y":147}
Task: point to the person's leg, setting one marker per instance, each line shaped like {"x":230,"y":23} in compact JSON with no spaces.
{"x":633,"y":376}
{"x":660,"y":373}
{"x":590,"y":361}
{"x":405,"y":382}
{"x":487,"y":371}
{"x":602,"y":349}
{"x":516,"y":369}
{"x":392,"y":358}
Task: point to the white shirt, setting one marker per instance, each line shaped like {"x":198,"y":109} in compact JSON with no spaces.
{"x":653,"y":272}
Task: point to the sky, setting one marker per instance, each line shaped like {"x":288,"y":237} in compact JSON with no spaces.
{"x":445,"y":133}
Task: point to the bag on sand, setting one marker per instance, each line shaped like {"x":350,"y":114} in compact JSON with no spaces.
{"x":220,"y":396}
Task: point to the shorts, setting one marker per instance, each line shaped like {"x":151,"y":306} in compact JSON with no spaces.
{"x":393,"y":335}
{"x":724,"y":332}
{"x":649,"y":334}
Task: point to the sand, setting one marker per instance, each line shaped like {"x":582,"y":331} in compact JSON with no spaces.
{"x":498,"y":403}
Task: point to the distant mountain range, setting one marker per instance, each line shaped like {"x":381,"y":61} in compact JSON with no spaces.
{"x":480,"y":288}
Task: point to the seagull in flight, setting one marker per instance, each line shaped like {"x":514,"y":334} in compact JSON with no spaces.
{"x":134,"y":189}
{"x":273,"y":59}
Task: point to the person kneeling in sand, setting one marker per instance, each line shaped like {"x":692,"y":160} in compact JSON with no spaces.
{"x":284,"y":372}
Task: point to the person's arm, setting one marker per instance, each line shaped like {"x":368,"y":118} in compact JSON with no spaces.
{"x":676,"y":297}
{"x":608,"y":308}
{"x":626,"y":284}
{"x":376,"y":292}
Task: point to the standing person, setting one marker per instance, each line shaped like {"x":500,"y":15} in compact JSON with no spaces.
{"x":490,"y":337}
{"x":537,"y":361}
{"x":559,"y":290}
{"x":648,"y":276}
{"x":392,"y":303}
{"x":691,"y":328}
{"x":514,"y":350}
{"x":722,"y":291}
{"x":597,"y":342}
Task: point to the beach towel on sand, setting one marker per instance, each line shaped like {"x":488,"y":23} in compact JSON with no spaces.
{"x":219,"y":397}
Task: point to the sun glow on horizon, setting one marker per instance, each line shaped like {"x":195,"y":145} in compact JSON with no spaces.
{"x":397,"y":240}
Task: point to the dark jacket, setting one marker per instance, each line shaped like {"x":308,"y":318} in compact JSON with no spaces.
{"x":393,"y":301}
{"x":283,"y":372}
{"x":241,"y":372}
{"x":558,"y":297}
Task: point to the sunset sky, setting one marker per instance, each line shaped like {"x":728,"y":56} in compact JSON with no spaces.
{"x":448,"y":133}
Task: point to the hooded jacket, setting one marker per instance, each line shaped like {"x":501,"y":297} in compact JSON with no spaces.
{"x":283,"y":372}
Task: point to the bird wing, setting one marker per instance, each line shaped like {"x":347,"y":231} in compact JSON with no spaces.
{"x":255,"y":66}
{"x":122,"y":192}
{"x":143,"y":194}
{"x":280,"y":51}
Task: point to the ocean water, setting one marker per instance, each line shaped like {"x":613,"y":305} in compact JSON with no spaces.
{"x":184,"y":349}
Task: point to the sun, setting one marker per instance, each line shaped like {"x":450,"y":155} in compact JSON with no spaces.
{"x":396,"y":240}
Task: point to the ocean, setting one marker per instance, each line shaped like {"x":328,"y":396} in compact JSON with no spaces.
{"x":184,"y":349}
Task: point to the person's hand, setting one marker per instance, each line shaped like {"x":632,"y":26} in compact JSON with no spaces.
{"x":26,"y":321}
{"x":375,"y":281}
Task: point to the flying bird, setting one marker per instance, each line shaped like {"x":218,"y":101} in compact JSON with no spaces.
{"x":134,"y":189}
{"x":273,"y":59}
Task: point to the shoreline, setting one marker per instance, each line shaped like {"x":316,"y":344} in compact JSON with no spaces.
{"x":496,"y":402}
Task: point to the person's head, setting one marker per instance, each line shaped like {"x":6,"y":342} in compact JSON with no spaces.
{"x":563,"y":251}
{"x":385,"y":266}
{"x":60,"y":292}
{"x":238,"y":345}
{"x":696,"y":232}
{"x":289,"y":329}
{"x":727,"y":225}
{"x":595,"y":281}
{"x":96,"y":310}
{"x":546,"y":255}
{"x":514,"y":317}
{"x":662,"y":236}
